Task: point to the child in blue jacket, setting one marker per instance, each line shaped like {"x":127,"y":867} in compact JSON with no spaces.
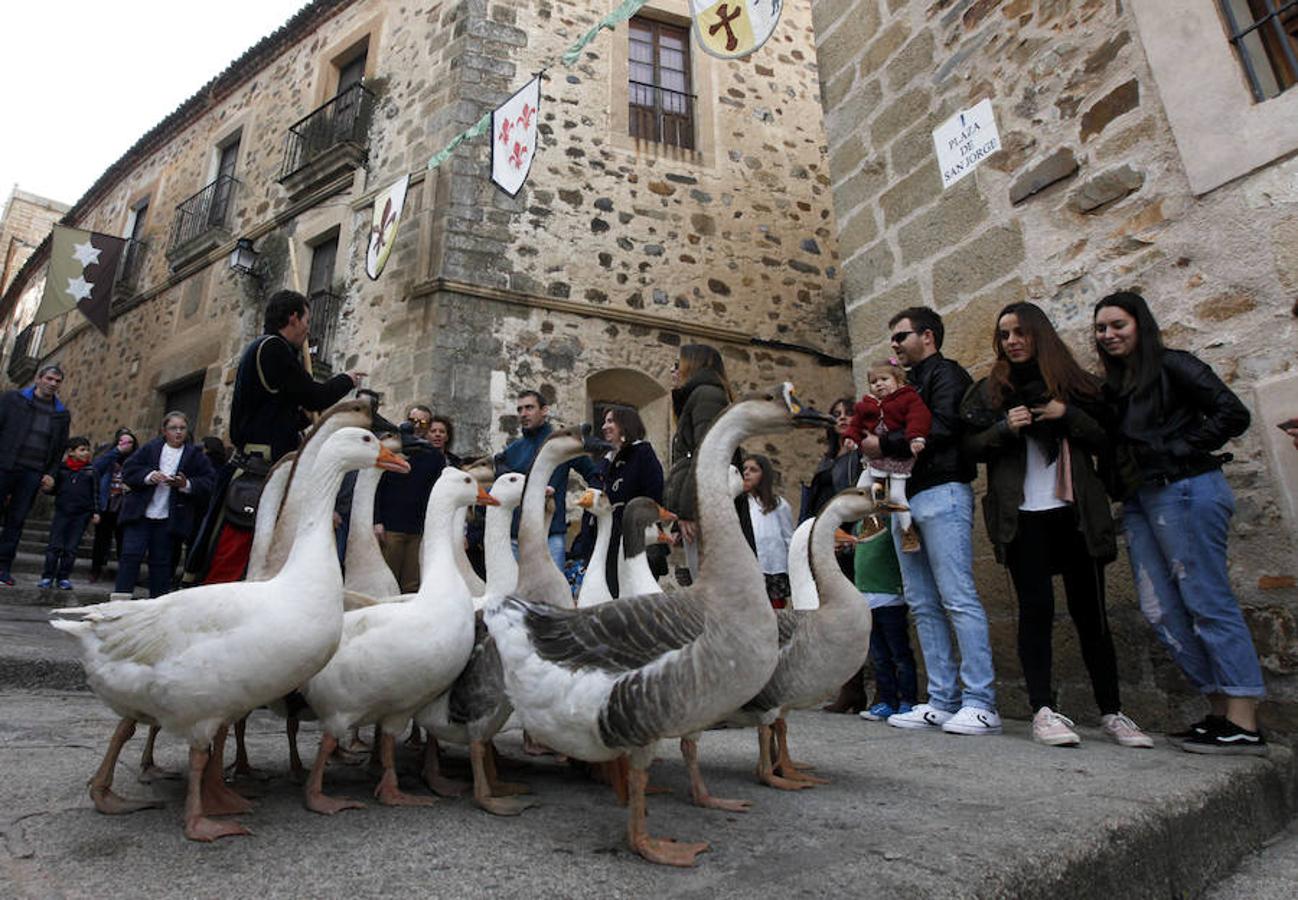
{"x":76,"y":504}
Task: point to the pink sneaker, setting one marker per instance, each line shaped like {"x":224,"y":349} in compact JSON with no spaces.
{"x":1118,"y":727}
{"x":1052,"y":729}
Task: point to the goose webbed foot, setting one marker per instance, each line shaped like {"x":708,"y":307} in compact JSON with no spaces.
{"x":313,"y":794}
{"x":699,"y":795}
{"x":438,"y":783}
{"x":201,"y":828}
{"x":785,"y":765}
{"x":101,"y":783}
{"x":388,"y":791}
{"x":110,"y":804}
{"x":198,"y":827}
{"x":485,"y":787}
{"x":766,"y":767}
{"x":663,"y":851}
{"x":499,"y":788}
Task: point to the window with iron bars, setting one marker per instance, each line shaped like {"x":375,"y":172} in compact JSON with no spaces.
{"x":1265,"y":35}
{"x":661,"y":107}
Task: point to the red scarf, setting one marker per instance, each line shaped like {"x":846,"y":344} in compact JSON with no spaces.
{"x":76,"y":465}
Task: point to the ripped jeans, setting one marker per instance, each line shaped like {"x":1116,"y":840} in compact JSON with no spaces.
{"x":1176,"y":535}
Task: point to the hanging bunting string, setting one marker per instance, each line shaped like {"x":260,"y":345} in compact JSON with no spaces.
{"x":625,"y":10}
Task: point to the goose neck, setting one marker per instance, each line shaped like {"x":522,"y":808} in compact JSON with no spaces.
{"x":502,"y":568}
{"x":834,"y":588}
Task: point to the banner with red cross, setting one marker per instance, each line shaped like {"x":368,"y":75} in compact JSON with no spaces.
{"x":730,"y":29}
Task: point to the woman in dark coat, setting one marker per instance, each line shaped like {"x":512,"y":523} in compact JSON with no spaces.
{"x":1037,"y":421}
{"x":701,"y":391}
{"x":1173,"y":413}
{"x":632,"y":470}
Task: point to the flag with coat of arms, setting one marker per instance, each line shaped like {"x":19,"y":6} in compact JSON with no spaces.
{"x":730,"y":29}
{"x":83,"y":267}
{"x":514,"y":137}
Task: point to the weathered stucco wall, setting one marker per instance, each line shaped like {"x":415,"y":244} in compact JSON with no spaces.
{"x":1089,"y":195}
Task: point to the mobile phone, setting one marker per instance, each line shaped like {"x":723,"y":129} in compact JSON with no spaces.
{"x":1289,"y":425}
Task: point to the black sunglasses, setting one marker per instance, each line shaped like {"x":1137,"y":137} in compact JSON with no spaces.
{"x":899,"y":336}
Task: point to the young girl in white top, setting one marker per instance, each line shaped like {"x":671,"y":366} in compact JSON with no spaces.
{"x":772,"y":526}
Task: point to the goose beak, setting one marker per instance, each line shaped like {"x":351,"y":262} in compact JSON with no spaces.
{"x":485,"y":499}
{"x":664,"y":537}
{"x":803,"y":416}
{"x":666,"y":515}
{"x":587,"y":499}
{"x":392,"y":462}
{"x":888,"y":506}
{"x":842,"y":537}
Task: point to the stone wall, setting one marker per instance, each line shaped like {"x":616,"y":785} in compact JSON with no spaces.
{"x":1087,"y":196}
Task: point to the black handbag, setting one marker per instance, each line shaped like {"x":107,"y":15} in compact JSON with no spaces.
{"x":243,"y":493}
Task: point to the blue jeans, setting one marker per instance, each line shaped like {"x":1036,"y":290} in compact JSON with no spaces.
{"x":939,"y":588}
{"x":894,"y":662}
{"x":141,"y":537}
{"x":20,"y":486}
{"x":65,"y":536}
{"x":1176,"y":536}
{"x":557,"y":545}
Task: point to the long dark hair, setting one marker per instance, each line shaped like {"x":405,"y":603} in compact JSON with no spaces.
{"x":1063,"y":376}
{"x":834,"y":440}
{"x":1142,"y":366}
{"x":765,"y":492}
{"x":694,"y":358}
{"x":629,"y":423}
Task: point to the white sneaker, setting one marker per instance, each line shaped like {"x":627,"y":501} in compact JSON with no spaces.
{"x":972,"y":720}
{"x":1119,"y":728}
{"x":1053,"y":730}
{"x":922,"y":716}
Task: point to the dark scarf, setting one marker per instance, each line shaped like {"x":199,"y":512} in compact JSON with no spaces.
{"x":1028,"y":388}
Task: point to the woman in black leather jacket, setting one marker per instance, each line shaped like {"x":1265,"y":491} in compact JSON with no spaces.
{"x":1173,"y":414}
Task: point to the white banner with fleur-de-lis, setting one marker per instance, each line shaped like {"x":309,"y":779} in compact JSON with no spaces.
{"x":514,"y":137}
{"x":730,"y":29}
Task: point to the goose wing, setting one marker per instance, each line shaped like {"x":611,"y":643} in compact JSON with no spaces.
{"x":789,"y":621}
{"x":619,"y":637}
{"x":480,"y":689}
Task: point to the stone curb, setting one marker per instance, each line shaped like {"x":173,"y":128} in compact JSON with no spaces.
{"x":45,"y":673}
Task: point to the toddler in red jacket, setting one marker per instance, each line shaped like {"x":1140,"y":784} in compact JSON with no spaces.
{"x":892,"y":405}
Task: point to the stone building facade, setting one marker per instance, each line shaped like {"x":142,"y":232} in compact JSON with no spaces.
{"x":617,"y":251}
{"x":1136,"y":155}
{"x":24,"y":223}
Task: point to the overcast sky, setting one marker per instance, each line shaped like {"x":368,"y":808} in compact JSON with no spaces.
{"x":84,"y":79}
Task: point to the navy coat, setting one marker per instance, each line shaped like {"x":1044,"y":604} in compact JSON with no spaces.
{"x":194,"y":465}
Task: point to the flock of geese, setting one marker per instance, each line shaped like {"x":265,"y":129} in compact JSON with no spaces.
{"x":602,"y":681}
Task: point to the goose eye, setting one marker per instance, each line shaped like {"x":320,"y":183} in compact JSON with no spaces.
{"x":366,"y":438}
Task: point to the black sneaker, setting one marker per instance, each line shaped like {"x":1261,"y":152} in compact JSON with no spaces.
{"x":1206,"y":725}
{"x":1227,"y":739}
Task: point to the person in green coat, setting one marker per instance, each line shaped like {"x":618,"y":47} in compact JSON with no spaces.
{"x":878,"y":578}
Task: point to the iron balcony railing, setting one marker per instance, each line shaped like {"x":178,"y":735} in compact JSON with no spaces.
{"x":132,"y":266}
{"x":326,"y":311}
{"x":23,"y":358}
{"x":208,"y":209}
{"x":661,"y":115}
{"x":343,"y":120}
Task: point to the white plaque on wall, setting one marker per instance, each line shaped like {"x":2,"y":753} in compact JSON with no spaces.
{"x":964,"y":141}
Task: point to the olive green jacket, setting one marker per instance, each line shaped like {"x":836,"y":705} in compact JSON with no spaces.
{"x":697,"y":403}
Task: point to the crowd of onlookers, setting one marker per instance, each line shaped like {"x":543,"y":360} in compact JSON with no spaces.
{"x":1060,"y":444}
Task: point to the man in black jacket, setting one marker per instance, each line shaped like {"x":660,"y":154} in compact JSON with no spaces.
{"x":272,"y":393}
{"x":33,"y":433}
{"x":938,"y":580}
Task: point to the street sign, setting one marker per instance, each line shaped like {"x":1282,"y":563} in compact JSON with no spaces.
{"x":964,"y":141}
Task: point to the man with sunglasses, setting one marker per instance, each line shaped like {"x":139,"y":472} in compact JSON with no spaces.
{"x":938,"y":580}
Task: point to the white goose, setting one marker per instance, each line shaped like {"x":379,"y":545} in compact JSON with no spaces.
{"x":475,"y":709}
{"x":615,"y":678}
{"x":823,"y":637}
{"x":594,"y":585}
{"x":366,"y":573}
{"x":477,"y":587}
{"x":194,"y":660}
{"x":397,"y":657}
